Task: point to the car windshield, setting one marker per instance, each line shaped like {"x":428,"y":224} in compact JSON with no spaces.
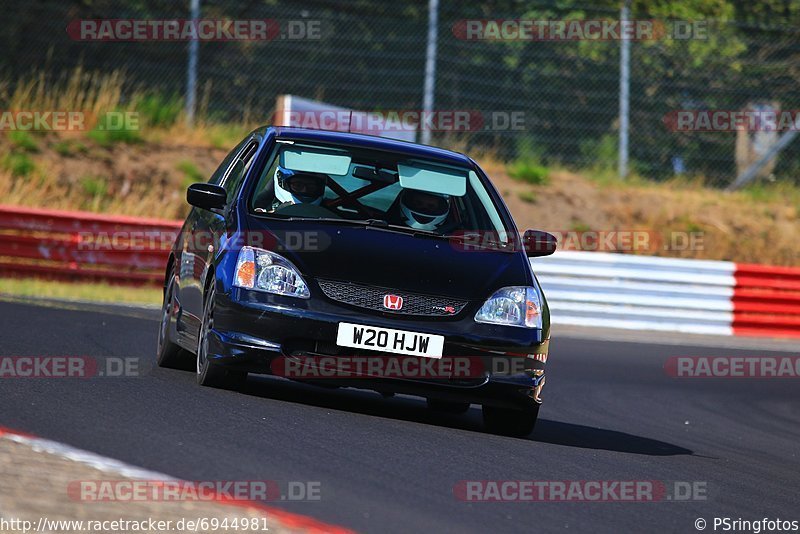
{"x":327,"y":182}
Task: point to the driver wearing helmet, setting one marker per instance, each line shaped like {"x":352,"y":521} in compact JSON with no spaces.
{"x":294,"y":187}
{"x":422,"y":210}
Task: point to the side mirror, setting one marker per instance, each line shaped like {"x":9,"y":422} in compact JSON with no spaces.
{"x":538,"y":243}
{"x":206,"y":196}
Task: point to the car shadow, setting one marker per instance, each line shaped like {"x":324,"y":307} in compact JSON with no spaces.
{"x":587,"y":437}
{"x":415,"y":410}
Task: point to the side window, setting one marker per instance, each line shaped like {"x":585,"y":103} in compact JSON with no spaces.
{"x":219,"y":174}
{"x":239,"y":168}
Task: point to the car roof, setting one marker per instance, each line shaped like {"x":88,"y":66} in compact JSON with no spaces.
{"x":370,"y":142}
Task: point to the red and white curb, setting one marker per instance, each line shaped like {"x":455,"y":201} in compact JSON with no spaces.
{"x":118,"y":468}
{"x":672,"y":295}
{"x":766,"y":301}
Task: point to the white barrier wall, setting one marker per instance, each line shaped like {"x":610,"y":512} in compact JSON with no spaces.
{"x":638,"y":292}
{"x":291,"y":110}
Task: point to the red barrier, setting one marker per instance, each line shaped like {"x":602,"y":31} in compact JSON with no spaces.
{"x":79,"y":246}
{"x":766,"y":301}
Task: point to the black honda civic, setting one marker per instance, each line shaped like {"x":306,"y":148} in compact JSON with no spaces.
{"x":345,"y":260}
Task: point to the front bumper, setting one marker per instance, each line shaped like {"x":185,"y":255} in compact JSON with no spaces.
{"x":254,"y":330}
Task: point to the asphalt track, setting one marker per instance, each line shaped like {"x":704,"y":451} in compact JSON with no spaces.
{"x":610,"y":413}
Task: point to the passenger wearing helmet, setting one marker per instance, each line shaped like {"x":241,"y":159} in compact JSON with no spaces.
{"x":294,"y":187}
{"x":422,"y":210}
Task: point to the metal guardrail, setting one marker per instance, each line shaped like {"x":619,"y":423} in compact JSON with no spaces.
{"x":78,"y":246}
{"x":638,"y":292}
{"x":679,"y":295}
{"x":583,"y":288}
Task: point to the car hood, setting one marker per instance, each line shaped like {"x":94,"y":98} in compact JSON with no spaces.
{"x":407,"y":262}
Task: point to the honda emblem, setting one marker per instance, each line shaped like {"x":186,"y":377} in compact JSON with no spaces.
{"x":392,"y":302}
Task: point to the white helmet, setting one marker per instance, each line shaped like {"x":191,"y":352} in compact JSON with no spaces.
{"x":422,"y":210}
{"x":299,"y":187}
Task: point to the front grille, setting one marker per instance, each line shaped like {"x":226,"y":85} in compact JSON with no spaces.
{"x":371,"y":298}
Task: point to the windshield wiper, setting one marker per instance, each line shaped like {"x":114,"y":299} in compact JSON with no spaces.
{"x":379,"y":224}
{"x":358,"y":222}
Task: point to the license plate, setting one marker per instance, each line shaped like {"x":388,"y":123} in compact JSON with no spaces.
{"x":390,"y":340}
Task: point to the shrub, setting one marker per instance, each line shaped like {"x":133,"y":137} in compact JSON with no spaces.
{"x":600,"y":154}
{"x":529,"y":171}
{"x":107,"y":131}
{"x":191,"y":174}
{"x":159,"y":111}
{"x":23,"y":140}
{"x":18,"y":164}
{"x":69,"y":148}
{"x":94,"y":186}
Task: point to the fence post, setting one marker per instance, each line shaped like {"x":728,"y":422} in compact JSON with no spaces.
{"x":430,"y":66}
{"x":191,"y":71}
{"x":752,"y":171}
{"x":624,"y":92}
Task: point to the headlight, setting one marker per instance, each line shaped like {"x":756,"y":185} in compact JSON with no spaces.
{"x":513,"y":306}
{"x":261,"y":270}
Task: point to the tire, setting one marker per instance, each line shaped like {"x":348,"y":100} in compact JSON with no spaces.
{"x":169,"y":354}
{"x":208,"y":373}
{"x":518,"y":423}
{"x":448,"y":406}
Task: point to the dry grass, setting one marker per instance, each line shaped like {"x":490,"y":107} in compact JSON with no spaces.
{"x":204,"y":134}
{"x":50,"y":186}
{"x":136,"y":173}
{"x":91,"y":92}
{"x":146,"y":175}
{"x":757,"y":225}
{"x":95,"y":292}
{"x":97,"y":93}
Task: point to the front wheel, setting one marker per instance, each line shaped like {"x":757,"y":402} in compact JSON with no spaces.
{"x":509,"y":422}
{"x":209,"y":373}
